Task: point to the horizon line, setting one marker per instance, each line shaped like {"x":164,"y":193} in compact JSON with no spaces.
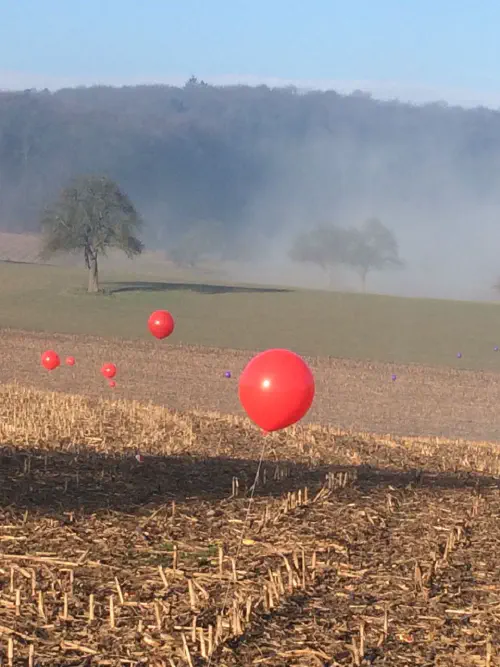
{"x":14,"y":81}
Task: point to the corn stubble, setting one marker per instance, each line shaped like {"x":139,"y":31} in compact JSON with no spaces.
{"x":355,"y":549}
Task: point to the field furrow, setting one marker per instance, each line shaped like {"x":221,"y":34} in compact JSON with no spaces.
{"x":164,"y":578}
{"x":384,"y":604}
{"x":145,"y":535}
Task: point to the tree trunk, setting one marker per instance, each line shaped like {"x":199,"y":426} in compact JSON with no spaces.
{"x":363,"y":275}
{"x":93,"y":275}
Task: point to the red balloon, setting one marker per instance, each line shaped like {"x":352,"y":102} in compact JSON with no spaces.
{"x":70,"y":361}
{"x":50,"y":360}
{"x":112,"y":384}
{"x":109,"y":371}
{"x":161,"y":324}
{"x":276,"y":389}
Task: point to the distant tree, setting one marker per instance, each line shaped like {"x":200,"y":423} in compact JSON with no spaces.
{"x":372,"y":248}
{"x":91,"y":215}
{"x":324,"y":246}
{"x":193,"y":81}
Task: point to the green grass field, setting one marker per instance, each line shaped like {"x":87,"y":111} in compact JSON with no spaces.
{"x":366,"y":327}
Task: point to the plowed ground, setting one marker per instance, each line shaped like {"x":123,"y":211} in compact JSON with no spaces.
{"x":343,"y":550}
{"x":351,"y":395}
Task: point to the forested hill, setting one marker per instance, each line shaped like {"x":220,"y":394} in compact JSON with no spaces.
{"x":256,"y":160}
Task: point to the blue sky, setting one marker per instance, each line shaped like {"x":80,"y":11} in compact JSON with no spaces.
{"x":441,"y":49}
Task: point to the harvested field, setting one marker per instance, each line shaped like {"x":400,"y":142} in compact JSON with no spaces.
{"x":352,"y":395}
{"x":348,"y":550}
{"x":135,"y":531}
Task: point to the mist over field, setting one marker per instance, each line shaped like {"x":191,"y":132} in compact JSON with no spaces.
{"x":232,"y":175}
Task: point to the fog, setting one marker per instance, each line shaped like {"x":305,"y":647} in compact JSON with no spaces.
{"x":448,"y":232}
{"x":240,"y":172}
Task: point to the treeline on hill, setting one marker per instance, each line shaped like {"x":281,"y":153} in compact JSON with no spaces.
{"x":211,"y":167}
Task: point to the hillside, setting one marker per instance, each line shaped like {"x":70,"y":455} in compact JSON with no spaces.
{"x":247,"y":168}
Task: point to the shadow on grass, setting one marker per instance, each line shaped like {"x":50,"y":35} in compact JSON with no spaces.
{"x":200,"y":288}
{"x":56,"y":482}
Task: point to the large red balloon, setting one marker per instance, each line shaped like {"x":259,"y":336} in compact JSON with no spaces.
{"x":108,"y":370}
{"x":50,"y":360}
{"x":276,"y":389}
{"x":161,"y":324}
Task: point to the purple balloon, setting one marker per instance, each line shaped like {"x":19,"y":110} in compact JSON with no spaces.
{"x":227,"y":374}
{"x":495,"y":348}
{"x":459,"y":355}
{"x":394,"y":377}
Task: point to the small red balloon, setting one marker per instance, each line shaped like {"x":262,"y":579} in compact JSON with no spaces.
{"x":50,"y":360}
{"x":276,"y":389}
{"x":112,"y":384}
{"x":108,"y":370}
{"x":70,"y":361}
{"x":161,"y":324}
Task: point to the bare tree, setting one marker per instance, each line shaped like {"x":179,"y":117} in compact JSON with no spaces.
{"x":373,"y":247}
{"x":324,"y":246}
{"x":90,"y":216}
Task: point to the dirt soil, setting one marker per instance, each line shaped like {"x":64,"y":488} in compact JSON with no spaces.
{"x":342,"y":551}
{"x":350,"y":395}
